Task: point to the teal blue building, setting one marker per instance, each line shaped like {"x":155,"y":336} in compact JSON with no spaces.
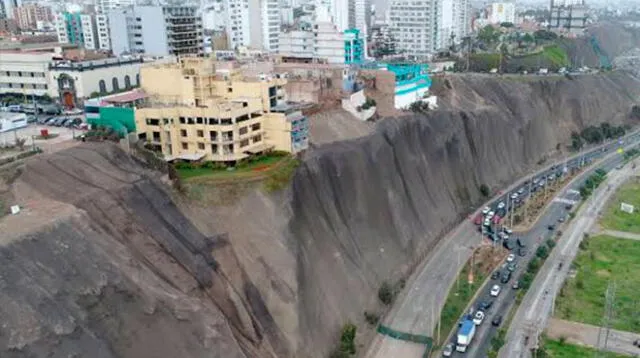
{"x":70,"y":28}
{"x":353,"y":47}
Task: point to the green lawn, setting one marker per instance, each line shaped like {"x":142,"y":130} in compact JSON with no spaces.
{"x":614,"y":218}
{"x":601,"y":260}
{"x":557,"y":349}
{"x":556,"y":55}
{"x":249,"y":169}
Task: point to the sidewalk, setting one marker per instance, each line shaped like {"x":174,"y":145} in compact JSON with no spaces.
{"x":587,"y":335}
{"x":621,"y":234}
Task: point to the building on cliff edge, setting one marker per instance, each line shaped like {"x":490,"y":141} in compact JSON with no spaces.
{"x":195,"y":111}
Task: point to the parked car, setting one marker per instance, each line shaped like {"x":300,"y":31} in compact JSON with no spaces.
{"x":478,"y":318}
{"x":501,"y":205}
{"x":51,"y":120}
{"x":32,"y":119}
{"x":512,"y":266}
{"x":495,"y":291}
{"x":507,"y":230}
{"x":495,"y":275}
{"x":486,"y":210}
{"x":551,"y":227}
{"x":561,"y":219}
{"x":58,"y":122}
{"x":520,"y":243}
{"x":516,"y":285}
{"x":514,"y":196}
{"x":497,"y":320}
{"x":521,"y":191}
{"x":508,"y":244}
{"x":522,"y":252}
{"x":511,"y":257}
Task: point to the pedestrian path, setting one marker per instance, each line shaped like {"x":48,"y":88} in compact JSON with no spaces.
{"x":622,"y":234}
{"x":587,"y":335}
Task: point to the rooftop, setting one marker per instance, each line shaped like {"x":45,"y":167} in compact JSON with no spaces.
{"x":125,"y":97}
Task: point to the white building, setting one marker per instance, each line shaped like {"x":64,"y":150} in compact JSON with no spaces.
{"x":500,"y":12}
{"x":104,"y":6}
{"x":270,"y":24}
{"x":455,"y":22}
{"x":72,"y":82}
{"x":102,"y":32}
{"x":12,"y":121}
{"x":156,"y":30}
{"x":414,"y":25}
{"x":89,"y":31}
{"x":286,"y":15}
{"x":214,"y":16}
{"x":24,"y":73}
{"x":297,"y":43}
{"x":8,"y":6}
{"x":253,"y":23}
{"x":362,"y":16}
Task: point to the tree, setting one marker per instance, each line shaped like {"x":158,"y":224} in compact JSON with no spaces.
{"x":576,"y":141}
{"x":544,"y":35}
{"x":347,"y":339}
{"x":484,"y":190}
{"x":488,"y":34}
{"x":504,"y":51}
{"x":542,"y":252}
{"x":528,"y":38}
{"x":506,"y":24}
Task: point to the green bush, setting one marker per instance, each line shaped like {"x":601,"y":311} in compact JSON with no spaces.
{"x":542,"y":252}
{"x":385,"y":293}
{"x":347,"y":339}
{"x":550,"y":243}
{"x":484,"y":190}
{"x":534,"y":265}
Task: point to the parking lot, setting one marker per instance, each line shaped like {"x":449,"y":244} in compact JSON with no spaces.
{"x":59,"y":137}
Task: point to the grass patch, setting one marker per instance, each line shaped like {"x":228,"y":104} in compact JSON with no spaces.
{"x":48,"y":136}
{"x":614,"y":218}
{"x":254,"y":167}
{"x":459,"y":297}
{"x":556,"y":55}
{"x":557,"y":349}
{"x":603,"y":259}
{"x":281,"y":175}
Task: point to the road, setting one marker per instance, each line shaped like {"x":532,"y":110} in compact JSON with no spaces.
{"x":586,"y":334}
{"x":418,"y":307}
{"x":537,"y":305}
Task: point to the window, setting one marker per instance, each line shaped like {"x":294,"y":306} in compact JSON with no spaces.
{"x":153,"y":121}
{"x":185,"y":146}
{"x":138,"y":79}
{"x":182,"y":120}
{"x":190,"y":120}
{"x":257,"y":138}
{"x":102,"y":86}
{"x":114,"y":82}
{"x":183,"y":132}
{"x":199,"y":120}
{"x":201,"y":146}
{"x":244,"y":143}
{"x":200,"y":133}
{"x":255,"y":127}
{"x":244,"y":130}
{"x":229,"y":89}
{"x":156,"y":136}
{"x":127,"y":82}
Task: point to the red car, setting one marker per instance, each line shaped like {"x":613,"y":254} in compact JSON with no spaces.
{"x":479,"y":219}
{"x":496,"y":219}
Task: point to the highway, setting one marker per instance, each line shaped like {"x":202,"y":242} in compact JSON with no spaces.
{"x":417,"y":308}
{"x":532,"y":316}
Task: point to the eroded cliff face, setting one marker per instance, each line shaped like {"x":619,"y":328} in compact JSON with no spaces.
{"x":365,"y":209}
{"x":104,"y":261}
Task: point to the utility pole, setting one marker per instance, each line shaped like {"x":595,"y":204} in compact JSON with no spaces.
{"x":605,"y":327}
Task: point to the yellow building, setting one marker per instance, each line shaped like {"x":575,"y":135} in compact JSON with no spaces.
{"x":194,"y":112}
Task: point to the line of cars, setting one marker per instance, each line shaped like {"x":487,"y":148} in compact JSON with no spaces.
{"x":68,"y":122}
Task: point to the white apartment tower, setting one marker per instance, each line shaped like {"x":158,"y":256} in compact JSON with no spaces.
{"x":156,"y":30}
{"x":253,"y":23}
{"x":102,"y":31}
{"x":415,"y":26}
{"x":455,"y":22}
{"x":104,"y":6}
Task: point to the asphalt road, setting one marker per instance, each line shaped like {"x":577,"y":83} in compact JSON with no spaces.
{"x":419,"y":305}
{"x":533,"y":314}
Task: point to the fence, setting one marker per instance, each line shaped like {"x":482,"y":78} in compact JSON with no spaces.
{"x":409,"y":337}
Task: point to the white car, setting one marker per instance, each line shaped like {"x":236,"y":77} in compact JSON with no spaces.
{"x":478,"y":318}
{"x":448,"y":350}
{"x":490,"y":215}
{"x":486,"y":210}
{"x":511,"y":257}
{"x":501,"y":205}
{"x":495,"y":291}
{"x":487,"y":222}
{"x":521,"y":191}
{"x":514,"y":196}
{"x":508,"y":231}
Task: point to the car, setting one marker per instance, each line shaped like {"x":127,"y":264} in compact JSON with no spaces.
{"x":521,"y":191}
{"x":536,"y":180}
{"x":51,"y":120}
{"x":551,"y":227}
{"x":501,"y":212}
{"x":478,"y":318}
{"x":522,"y":252}
{"x":496,"y":320}
{"x":503,"y":236}
{"x":486,"y":304}
{"x":516,"y":285}
{"x":486,"y":210}
{"x":506,"y":276}
{"x":551,"y":177}
{"x":508,"y":244}
{"x":495,"y":275}
{"x":512,"y":267}
{"x":568,"y":207}
{"x":32,"y":119}
{"x":620,"y":166}
{"x":637,"y":343}
{"x":491,"y":214}
{"x":66,"y":122}
{"x":561,"y":219}
{"x":520,"y":243}
{"x":501,"y":205}
{"x":507,"y":230}
{"x":448,"y":350}
{"x":511,"y":257}
{"x":487,"y":222}
{"x":58,"y":122}
{"x":514,"y":196}
{"x":495,"y":291}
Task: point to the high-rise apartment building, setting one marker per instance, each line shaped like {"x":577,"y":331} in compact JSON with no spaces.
{"x":7,"y":8}
{"x":156,"y":30}
{"x":78,"y":29}
{"x":102,"y":32}
{"x":455,"y":22}
{"x":253,"y":23}
{"x":27,"y":16}
{"x":415,"y":26}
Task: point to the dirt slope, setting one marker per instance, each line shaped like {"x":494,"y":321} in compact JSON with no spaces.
{"x":117,"y":269}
